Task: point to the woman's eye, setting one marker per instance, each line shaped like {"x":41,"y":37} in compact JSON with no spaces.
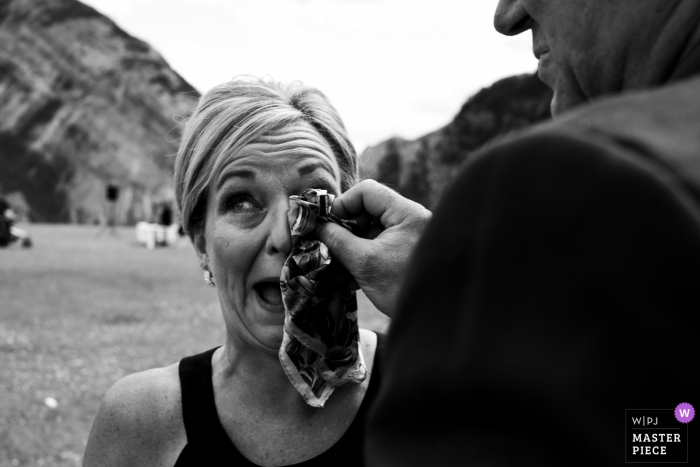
{"x":241,"y":204}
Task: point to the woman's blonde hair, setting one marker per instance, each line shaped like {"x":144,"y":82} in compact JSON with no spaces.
{"x":237,"y":113}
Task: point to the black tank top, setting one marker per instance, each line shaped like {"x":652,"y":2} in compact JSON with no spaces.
{"x":208,"y":444}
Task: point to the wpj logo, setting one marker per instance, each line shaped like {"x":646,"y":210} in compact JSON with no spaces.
{"x":686,"y":412}
{"x":657,"y":435}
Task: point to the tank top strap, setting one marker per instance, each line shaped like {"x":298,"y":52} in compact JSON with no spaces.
{"x":198,"y":406}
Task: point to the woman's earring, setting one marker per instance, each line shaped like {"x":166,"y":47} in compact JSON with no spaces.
{"x":208,"y":276}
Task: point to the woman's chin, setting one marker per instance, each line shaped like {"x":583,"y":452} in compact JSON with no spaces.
{"x":263,"y":321}
{"x":271,"y":318}
{"x":270,"y":337}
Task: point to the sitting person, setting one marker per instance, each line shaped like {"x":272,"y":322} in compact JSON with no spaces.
{"x":248,"y":147}
{"x":8,"y":232}
{"x":161,"y":233}
{"x":5,"y":222}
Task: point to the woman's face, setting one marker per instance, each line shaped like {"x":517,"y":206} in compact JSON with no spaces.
{"x":245,"y":239}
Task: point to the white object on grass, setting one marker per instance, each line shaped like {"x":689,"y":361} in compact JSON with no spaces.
{"x":153,"y":234}
{"x":51,"y":402}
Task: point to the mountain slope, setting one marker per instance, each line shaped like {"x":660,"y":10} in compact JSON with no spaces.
{"x":82,"y":105}
{"x":421,"y":168}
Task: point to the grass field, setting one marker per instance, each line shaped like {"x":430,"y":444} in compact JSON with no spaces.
{"x":78,"y":312}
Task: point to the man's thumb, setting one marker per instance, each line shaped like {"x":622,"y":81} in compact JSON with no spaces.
{"x":341,"y":243}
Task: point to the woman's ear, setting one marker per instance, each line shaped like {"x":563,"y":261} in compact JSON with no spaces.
{"x":200,"y":244}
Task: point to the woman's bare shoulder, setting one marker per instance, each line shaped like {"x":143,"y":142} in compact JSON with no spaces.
{"x":139,"y":421}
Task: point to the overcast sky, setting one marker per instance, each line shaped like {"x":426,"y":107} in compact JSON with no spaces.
{"x":390,"y":67}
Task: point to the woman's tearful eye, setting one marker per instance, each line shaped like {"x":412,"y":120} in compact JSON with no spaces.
{"x":240,"y":204}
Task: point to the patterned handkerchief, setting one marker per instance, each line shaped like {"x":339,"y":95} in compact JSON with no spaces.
{"x":320,"y":350}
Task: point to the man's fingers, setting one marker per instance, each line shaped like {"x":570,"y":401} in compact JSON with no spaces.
{"x":379,"y":202}
{"x":367,"y":196}
{"x":342,"y":244}
{"x":363,"y":224}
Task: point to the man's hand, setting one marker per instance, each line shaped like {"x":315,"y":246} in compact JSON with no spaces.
{"x":377,"y":252}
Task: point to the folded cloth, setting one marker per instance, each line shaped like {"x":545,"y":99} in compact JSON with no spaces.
{"x":320,"y":348}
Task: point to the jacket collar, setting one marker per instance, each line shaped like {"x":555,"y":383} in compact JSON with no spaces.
{"x":688,"y":66}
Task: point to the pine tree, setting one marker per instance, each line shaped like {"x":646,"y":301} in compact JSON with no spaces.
{"x":418,"y":183}
{"x":389,"y":168}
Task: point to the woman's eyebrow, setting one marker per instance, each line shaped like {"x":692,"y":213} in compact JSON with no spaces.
{"x":240,"y":173}
{"x":309,"y":168}
{"x":321,"y":183}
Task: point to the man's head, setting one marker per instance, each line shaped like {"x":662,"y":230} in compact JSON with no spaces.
{"x":590,"y":48}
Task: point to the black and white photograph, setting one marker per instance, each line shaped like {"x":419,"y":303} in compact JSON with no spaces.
{"x":349,"y":233}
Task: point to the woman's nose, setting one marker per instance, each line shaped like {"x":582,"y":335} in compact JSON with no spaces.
{"x":511,"y":18}
{"x":280,"y":240}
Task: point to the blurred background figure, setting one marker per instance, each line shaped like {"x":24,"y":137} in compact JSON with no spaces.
{"x":161,"y":233}
{"x":110,"y":215}
{"x":8,"y":232}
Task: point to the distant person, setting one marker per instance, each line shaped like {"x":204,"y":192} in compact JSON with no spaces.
{"x":8,"y":232}
{"x":160,"y":233}
{"x":5,"y":222}
{"x":248,"y":147}
{"x":4,"y":205}
{"x":555,"y":284}
{"x":166,"y":216}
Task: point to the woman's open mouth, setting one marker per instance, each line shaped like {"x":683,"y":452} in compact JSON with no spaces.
{"x":270,"y":296}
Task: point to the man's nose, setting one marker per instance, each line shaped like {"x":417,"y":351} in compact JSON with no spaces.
{"x":511,"y":18}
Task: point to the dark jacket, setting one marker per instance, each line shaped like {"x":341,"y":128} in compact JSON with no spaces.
{"x":553,"y":289}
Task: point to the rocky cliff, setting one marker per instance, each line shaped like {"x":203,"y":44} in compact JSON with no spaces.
{"x":421,"y":168}
{"x":83,"y":105}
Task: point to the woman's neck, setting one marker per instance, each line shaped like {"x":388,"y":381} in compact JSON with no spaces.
{"x":256,"y":377}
